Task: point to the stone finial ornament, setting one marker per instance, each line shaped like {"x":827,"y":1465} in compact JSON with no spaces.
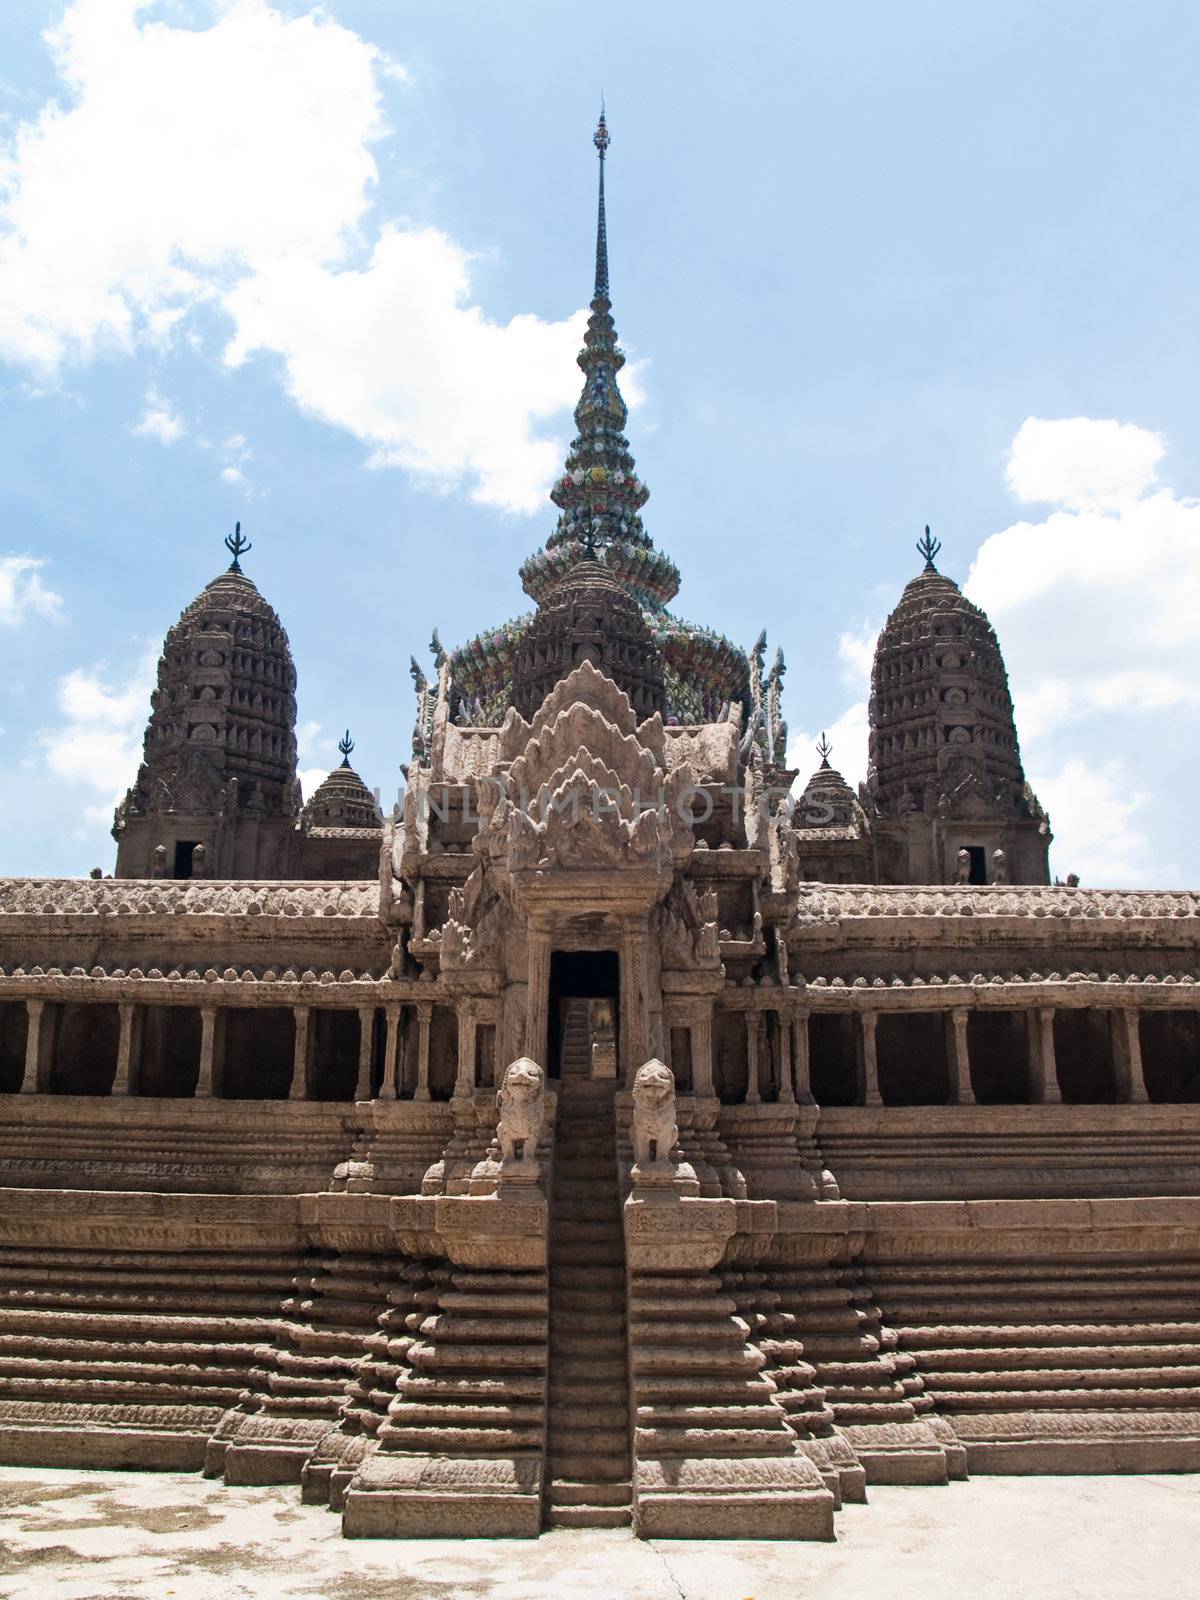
{"x":929,"y":547}
{"x":237,"y":547}
{"x":999,"y":867}
{"x":962,"y":869}
{"x":199,"y":861}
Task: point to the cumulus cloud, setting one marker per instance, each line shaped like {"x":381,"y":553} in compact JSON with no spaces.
{"x":1093,"y":809}
{"x":435,"y":387}
{"x":97,"y":744}
{"x":1082,"y":461}
{"x":158,"y":420}
{"x":1098,"y":604}
{"x":1097,"y":607}
{"x":23,"y":594}
{"x":856,"y":654}
{"x":315,"y":753}
{"x":231,"y":166}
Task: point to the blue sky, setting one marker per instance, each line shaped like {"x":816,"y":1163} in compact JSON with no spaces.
{"x":874,"y":267}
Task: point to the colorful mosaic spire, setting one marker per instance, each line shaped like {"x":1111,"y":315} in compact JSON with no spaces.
{"x":600,"y":495}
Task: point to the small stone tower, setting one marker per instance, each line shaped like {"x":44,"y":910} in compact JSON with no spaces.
{"x":341,"y":826}
{"x":945,"y":782}
{"x":832,"y":829}
{"x":218,"y":766}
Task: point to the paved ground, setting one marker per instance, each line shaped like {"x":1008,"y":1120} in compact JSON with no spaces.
{"x":68,"y":1535}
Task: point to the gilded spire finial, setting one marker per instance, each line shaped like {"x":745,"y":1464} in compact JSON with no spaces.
{"x":824,"y":750}
{"x":237,"y":546}
{"x":928,"y":547}
{"x":601,"y":139}
{"x":345,"y":745}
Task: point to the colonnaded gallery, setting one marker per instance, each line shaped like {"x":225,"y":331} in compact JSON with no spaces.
{"x":609,"y":1139}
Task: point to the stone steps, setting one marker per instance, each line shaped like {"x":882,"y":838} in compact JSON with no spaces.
{"x":588,"y":1442}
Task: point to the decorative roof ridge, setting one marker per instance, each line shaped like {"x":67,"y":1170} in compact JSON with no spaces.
{"x":187,"y":897}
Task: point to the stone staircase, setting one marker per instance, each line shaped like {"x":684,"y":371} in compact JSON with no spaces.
{"x":588,"y":1444}
{"x":577,"y":1040}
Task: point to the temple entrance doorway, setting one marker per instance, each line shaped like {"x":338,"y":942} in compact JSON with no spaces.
{"x":585,"y":989}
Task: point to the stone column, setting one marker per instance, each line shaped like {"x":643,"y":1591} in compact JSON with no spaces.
{"x":208,"y":1077}
{"x":124,"y":1079}
{"x":634,"y":1044}
{"x":1043,"y":1075}
{"x":391,"y":1050}
{"x":299,"y":1089}
{"x":961,"y":1092}
{"x":868,"y":1065}
{"x":787,"y":1093}
{"x":32,"y":1081}
{"x":537,"y":998}
{"x":1127,"y":1055}
{"x":366,"y":1044}
{"x":464,"y":1082}
{"x":702,"y":1049}
{"x":424,"y":1024}
{"x":800,"y":1059}
{"x":752,"y":1091}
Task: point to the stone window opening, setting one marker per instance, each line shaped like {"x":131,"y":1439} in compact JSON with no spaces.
{"x":14,"y":1035}
{"x":1084,"y":1057}
{"x":978,"y":868}
{"x":833,"y":1058}
{"x":83,"y":1049}
{"x":183,"y":857}
{"x":168,"y":1060}
{"x":1171,"y":1056}
{"x":912,"y":1058}
{"x":998,"y":1046}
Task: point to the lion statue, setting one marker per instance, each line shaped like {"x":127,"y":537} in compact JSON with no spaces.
{"x":522,"y":1104}
{"x":654,"y":1128}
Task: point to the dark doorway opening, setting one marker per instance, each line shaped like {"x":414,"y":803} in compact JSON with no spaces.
{"x":183,"y":857}
{"x":978,"y":855}
{"x":578,"y":975}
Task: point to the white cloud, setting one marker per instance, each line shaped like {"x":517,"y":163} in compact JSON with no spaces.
{"x":231,"y":166}
{"x":1097,"y":606}
{"x":98,"y":742}
{"x":158,"y":420}
{"x":317,"y":750}
{"x":233,"y":476}
{"x":437,"y":388}
{"x":1083,"y":461}
{"x":1092,"y":809}
{"x":856,"y":655}
{"x":23,"y":594}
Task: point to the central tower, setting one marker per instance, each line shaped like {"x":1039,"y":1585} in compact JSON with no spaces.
{"x":599,"y":570}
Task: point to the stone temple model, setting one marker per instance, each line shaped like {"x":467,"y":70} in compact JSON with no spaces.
{"x":622,"y":1134}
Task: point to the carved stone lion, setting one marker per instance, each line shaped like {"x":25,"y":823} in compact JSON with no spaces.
{"x":655,"y":1132}
{"x":522,"y":1104}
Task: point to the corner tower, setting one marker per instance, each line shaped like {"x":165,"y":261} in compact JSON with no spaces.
{"x":219,"y":761}
{"x":945,"y":781}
